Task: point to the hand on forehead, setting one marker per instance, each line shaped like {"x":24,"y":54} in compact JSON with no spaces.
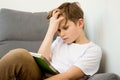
{"x":57,"y":13}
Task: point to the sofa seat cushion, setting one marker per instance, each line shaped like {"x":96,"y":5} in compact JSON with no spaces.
{"x":5,"y":46}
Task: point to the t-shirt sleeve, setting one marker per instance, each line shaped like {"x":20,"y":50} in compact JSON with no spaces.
{"x":56,"y":43}
{"x":90,"y":61}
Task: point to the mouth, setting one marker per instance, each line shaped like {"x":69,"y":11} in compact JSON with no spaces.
{"x":64,"y":39}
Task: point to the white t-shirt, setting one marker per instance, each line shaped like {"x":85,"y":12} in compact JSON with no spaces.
{"x":85,"y":56}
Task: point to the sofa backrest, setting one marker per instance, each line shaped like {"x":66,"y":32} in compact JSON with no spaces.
{"x":19,"y":29}
{"x":16,"y":25}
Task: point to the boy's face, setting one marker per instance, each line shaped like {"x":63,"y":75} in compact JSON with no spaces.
{"x":70,"y":32}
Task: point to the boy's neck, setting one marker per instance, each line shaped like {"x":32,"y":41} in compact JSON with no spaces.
{"x":82,"y":39}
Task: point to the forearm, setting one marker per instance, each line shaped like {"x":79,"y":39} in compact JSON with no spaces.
{"x":45,"y":47}
{"x":74,"y":73}
{"x":62,"y":76}
{"x":46,"y":44}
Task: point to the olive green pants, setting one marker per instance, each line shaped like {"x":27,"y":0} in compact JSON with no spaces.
{"x":18,"y":64}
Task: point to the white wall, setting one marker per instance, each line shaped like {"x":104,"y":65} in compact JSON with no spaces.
{"x":32,"y":5}
{"x":111,"y":36}
{"x":103,"y":26}
{"x":102,"y":23}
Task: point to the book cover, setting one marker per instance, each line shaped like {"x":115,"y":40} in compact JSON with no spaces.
{"x":44,"y":64}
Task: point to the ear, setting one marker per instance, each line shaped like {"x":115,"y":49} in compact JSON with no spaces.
{"x":81,"y":23}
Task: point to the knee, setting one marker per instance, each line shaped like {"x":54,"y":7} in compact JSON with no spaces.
{"x":18,"y":53}
{"x":18,"y":50}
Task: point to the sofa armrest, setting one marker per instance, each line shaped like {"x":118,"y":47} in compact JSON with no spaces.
{"x":105,"y":76}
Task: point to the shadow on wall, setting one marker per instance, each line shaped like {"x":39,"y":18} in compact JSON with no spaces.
{"x":102,"y":68}
{"x":98,"y":39}
{"x":94,"y":31}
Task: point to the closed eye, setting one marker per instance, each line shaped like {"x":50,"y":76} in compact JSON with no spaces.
{"x":66,"y":27}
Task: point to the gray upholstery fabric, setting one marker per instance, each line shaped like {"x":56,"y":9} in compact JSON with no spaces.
{"x":5,"y":46}
{"x":19,"y":29}
{"x":19,"y":25}
{"x":105,"y":76}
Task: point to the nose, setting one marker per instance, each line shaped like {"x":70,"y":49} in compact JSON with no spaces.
{"x":62,"y":34}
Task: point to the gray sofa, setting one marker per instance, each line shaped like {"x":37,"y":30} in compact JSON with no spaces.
{"x":19,"y":29}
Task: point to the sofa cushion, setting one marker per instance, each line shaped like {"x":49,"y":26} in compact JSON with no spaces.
{"x":20,"y":25}
{"x":32,"y":46}
{"x":105,"y":76}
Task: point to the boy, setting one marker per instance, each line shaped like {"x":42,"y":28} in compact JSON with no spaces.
{"x":72,"y":54}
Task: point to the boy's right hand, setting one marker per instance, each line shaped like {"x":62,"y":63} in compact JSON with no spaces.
{"x":57,"y":17}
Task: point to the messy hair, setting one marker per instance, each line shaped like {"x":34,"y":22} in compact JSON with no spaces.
{"x":72,"y":11}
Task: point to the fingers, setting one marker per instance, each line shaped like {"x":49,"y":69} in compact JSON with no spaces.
{"x":49,"y":59}
{"x":55,"y":20}
{"x":57,"y":13}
